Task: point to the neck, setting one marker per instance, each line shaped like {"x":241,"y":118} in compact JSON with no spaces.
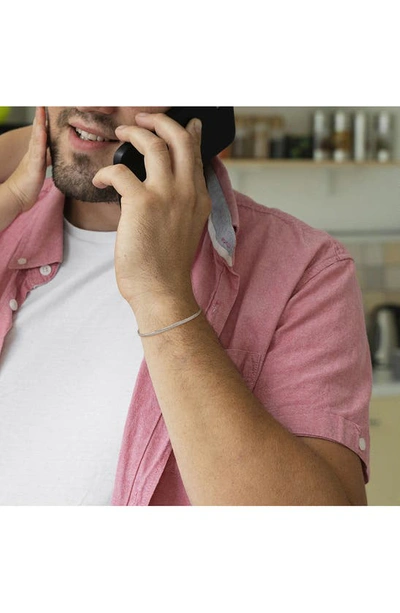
{"x":95,"y":216}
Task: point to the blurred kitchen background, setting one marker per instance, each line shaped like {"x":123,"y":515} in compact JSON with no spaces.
{"x":337,"y":169}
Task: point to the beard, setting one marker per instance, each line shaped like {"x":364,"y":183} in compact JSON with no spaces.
{"x":74,"y":179}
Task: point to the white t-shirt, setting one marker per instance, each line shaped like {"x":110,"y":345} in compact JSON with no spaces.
{"x":67,"y":373}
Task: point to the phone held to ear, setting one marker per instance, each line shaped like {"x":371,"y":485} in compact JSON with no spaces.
{"x":218,"y":132}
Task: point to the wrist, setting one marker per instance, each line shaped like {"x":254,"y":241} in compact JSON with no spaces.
{"x":9,"y":207}
{"x":12,"y":200}
{"x":159,"y":312}
{"x":176,"y":324}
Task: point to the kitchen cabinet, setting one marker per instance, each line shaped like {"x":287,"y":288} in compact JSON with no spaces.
{"x":384,"y":486}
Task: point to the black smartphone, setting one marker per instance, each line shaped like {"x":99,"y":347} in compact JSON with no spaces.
{"x":218,"y":132}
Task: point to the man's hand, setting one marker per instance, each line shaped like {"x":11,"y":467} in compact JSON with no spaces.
{"x":25,"y":183}
{"x":163,"y":218}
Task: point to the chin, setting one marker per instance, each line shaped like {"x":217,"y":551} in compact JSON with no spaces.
{"x":77,"y":185}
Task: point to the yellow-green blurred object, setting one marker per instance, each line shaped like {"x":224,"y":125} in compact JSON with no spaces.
{"x":4,"y":112}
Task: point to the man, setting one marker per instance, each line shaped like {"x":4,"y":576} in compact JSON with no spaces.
{"x":256,"y":378}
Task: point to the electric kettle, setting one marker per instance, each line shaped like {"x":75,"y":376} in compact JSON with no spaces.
{"x":384,"y":334}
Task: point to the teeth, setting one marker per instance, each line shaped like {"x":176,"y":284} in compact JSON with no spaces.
{"x":88,"y":136}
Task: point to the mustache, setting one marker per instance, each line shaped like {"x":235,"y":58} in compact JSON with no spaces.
{"x":94,"y":118}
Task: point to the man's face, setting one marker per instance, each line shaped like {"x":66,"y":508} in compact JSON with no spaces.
{"x":82,"y":140}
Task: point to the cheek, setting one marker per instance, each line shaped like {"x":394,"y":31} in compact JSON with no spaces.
{"x":52,"y":118}
{"x":53,"y":114}
{"x":58,"y":139}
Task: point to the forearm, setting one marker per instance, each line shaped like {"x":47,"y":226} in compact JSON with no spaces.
{"x":229,"y":449}
{"x":9,"y":206}
{"x":13,"y":146}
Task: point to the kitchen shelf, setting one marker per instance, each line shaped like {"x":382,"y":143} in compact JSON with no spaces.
{"x":254,"y":163}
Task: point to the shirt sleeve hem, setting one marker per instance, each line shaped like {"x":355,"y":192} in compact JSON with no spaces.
{"x":337,"y":429}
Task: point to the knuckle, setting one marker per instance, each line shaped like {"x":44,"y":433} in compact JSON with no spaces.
{"x":190,"y":195}
{"x":187,"y":138}
{"x":158,"y":146}
{"x":158,"y":116}
{"x":120,"y":170}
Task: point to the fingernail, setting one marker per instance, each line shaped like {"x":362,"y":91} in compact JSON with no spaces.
{"x":121,"y":127}
{"x":197,"y":126}
{"x":143,"y":114}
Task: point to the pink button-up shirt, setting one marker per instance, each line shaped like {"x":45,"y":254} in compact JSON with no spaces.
{"x":281,"y":296}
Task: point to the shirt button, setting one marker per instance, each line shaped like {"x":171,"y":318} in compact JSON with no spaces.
{"x":13,"y":304}
{"x":22,"y":261}
{"x":362,"y":444}
{"x":45,"y":270}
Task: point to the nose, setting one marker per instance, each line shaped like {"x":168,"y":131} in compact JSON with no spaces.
{"x":105,"y":110}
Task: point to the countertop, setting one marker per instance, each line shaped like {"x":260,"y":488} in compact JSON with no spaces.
{"x":385,"y":385}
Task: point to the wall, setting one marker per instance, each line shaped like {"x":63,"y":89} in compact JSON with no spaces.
{"x":346,"y":199}
{"x":21,"y":114}
{"x":378,"y":269}
{"x":360,"y":205}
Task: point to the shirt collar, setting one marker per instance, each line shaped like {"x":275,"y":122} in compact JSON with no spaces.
{"x":40,"y":231}
{"x":223,"y":219}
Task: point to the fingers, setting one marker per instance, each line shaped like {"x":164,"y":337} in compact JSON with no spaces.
{"x":181,"y":142}
{"x":41,"y":121}
{"x":38,"y":144}
{"x":120,"y":178}
{"x":195,"y":128}
{"x":40,"y":117}
{"x":156,"y":155}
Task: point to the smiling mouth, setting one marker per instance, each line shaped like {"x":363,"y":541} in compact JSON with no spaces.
{"x":88,"y":136}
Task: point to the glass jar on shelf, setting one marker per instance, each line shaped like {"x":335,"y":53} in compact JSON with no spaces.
{"x":277,"y":141}
{"x":342,"y":138}
{"x":261,"y":138}
{"x":322,"y":136}
{"x":243,"y":145}
{"x":383,"y":137}
{"x":361,"y":137}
